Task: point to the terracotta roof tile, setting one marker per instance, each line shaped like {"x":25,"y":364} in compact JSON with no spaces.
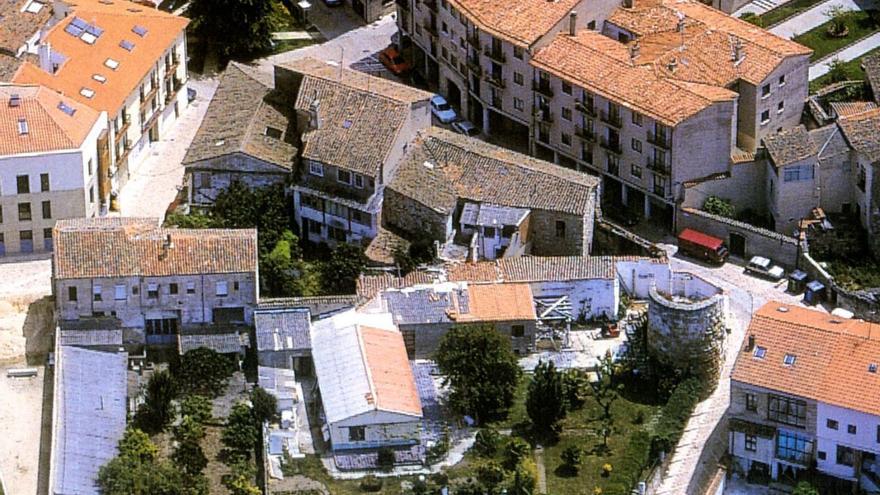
{"x":789,"y":146}
{"x":847,"y":108}
{"x":522,"y":22}
{"x":121,"y":247}
{"x":49,"y":128}
{"x":117,"y":19}
{"x":390,"y":375}
{"x":496,"y":302}
{"x":862,"y":132}
{"x":832,"y":357}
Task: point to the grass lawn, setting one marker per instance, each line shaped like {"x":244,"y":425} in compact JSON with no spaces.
{"x":311,"y":467}
{"x":860,"y":24}
{"x":782,"y":12}
{"x":282,"y":46}
{"x":852,"y":69}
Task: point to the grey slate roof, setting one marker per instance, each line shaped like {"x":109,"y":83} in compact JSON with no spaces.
{"x":223,"y":343}
{"x":279,"y":382}
{"x":283,"y":330}
{"x":237,"y":119}
{"x":425,"y":305}
{"x":442,"y":167}
{"x":829,"y":142}
{"x":871,"y":65}
{"x":862,"y":132}
{"x":316,"y":305}
{"x":789,"y":146}
{"x":491,"y":215}
{"x":91,"y":408}
{"x":90,"y":338}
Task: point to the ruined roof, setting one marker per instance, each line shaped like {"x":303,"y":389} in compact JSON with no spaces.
{"x":382,"y":247}
{"x":124,"y":246}
{"x":116,"y":20}
{"x":789,"y":146}
{"x":35,"y":119}
{"x":829,"y":142}
{"x":862,"y":132}
{"x":368,"y":285}
{"x":871,"y":65}
{"x":459,"y":303}
{"x":440,"y":167}
{"x":832,"y":357}
{"x":9,"y":66}
{"x":283,"y":329}
{"x":242,"y":118}
{"x":603,"y":66}
{"x":521,"y":23}
{"x":20,"y":20}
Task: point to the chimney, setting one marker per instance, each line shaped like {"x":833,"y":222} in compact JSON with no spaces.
{"x":751,"y":346}
{"x":634,"y":50}
{"x":45,"y":54}
{"x":314,"y":117}
{"x":680,"y":25}
{"x":672,"y":65}
{"x":169,"y":244}
{"x":572,"y":23}
{"x":737,"y":50}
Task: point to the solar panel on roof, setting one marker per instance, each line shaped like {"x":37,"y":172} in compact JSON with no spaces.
{"x":127,"y":45}
{"x":94,"y":30}
{"x":64,"y":107}
{"x":140,"y":31}
{"x":79,"y":23}
{"x":73,"y":30}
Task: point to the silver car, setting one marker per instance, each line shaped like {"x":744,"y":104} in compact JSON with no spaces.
{"x":763,"y":267}
{"x":466,"y":128}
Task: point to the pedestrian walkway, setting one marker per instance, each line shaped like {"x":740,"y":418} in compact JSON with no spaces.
{"x":852,"y":52}
{"x":816,"y":16}
{"x":292,"y":35}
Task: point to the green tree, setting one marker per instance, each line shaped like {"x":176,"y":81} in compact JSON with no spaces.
{"x":605,"y":391}
{"x":805,"y":488}
{"x":515,"y":451}
{"x":342,"y":270}
{"x":836,"y":71}
{"x":136,"y":445}
{"x":239,"y":484}
{"x":481,"y":370}
{"x":240,"y":434}
{"x":264,"y":405}
{"x":197,"y":407}
{"x":524,"y":479}
{"x":189,"y":457}
{"x":545,"y":403}
{"x":571,"y":458}
{"x":157,"y":411}
{"x":203,"y":371}
{"x":574,"y":388}
{"x":719,"y":206}
{"x":838,"y":17}
{"x":490,"y":474}
{"x":235,"y":27}
{"x":193,"y":220}
{"x":487,"y":441}
{"x":136,"y":471}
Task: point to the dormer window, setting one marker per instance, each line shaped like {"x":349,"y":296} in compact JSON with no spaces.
{"x":789,"y":359}
{"x":760,"y":352}
{"x":98,"y":77}
{"x":126,"y":45}
{"x":64,"y":107}
{"x":34,"y":7}
{"x":112,"y":64}
{"x":139,"y":30}
{"x":88,"y":93}
{"x":22,"y":127}
{"x":872,"y":368}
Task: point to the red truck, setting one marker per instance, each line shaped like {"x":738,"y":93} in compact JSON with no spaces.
{"x":702,"y":246}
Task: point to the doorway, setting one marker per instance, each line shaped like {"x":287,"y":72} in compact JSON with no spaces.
{"x":737,"y":245}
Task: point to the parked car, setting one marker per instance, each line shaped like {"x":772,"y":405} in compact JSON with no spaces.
{"x":333,"y":3}
{"x":466,"y":128}
{"x":393,"y":61}
{"x":441,"y":109}
{"x":703,"y":246}
{"x":763,"y":267}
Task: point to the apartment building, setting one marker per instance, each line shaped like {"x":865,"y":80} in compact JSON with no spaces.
{"x":121,"y":58}
{"x":49,"y":147}
{"x":802,"y":395}
{"x":167,"y":286}
{"x":245,"y":137}
{"x":354,"y":130}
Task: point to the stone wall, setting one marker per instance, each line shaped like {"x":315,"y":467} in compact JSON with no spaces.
{"x":545,"y":241}
{"x":425,"y":338}
{"x":686,"y":333}
{"x":402,"y":213}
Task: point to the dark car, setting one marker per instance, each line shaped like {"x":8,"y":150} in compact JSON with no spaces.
{"x":393,"y":61}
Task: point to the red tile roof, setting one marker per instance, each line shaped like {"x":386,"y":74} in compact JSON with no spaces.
{"x":390,"y":375}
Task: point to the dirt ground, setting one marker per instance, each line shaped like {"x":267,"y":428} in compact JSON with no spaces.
{"x":25,"y":339}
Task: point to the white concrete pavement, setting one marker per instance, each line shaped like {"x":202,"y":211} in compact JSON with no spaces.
{"x":153,"y":184}
{"x":852,"y":52}
{"x":816,"y":16}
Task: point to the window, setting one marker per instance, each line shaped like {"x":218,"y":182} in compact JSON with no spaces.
{"x":518,"y":52}
{"x":134,"y":290}
{"x":878,"y":433}
{"x":782,"y":80}
{"x":821,"y":455}
{"x":152,"y":290}
{"x":90,"y":166}
{"x":789,"y":359}
{"x":96,"y":293}
{"x":222,"y":289}
{"x":47,"y":239}
{"x":845,"y":456}
{"x":760,"y":352}
{"x":23,"y":184}
{"x":560,"y":229}
{"x":832,"y":424}
{"x":1,"y":214}
{"x":566,"y":113}
{"x":637,"y":119}
{"x":44,"y":182}
{"x":71,"y":294}
{"x":235,"y":286}
{"x":358,"y":181}
{"x":517,"y":330}
{"x":316,"y":169}
{"x":444,"y":52}
{"x":337,"y":209}
{"x":518,"y":104}
{"x":765,"y":91}
{"x":851,"y":429}
{"x":794,"y":448}
{"x":172,"y":288}
{"x":862,"y":178}
{"x":787,"y":411}
{"x":591,"y":25}
{"x":343,"y":176}
{"x":312,"y":202}
{"x":518,"y":78}
{"x":24,"y":212}
{"x":119,"y":292}
{"x":444,"y":28}
{"x":190,"y":287}
{"x":92,"y":195}
{"x":636,"y":145}
{"x":765,"y":117}
{"x":566,"y":88}
{"x":780,"y":107}
{"x":636,"y":171}
{"x":751,"y":443}
{"x":357,"y":434}
{"x":751,"y":402}
{"x":273,"y":133}
{"x":489,"y":232}
{"x":795,"y":173}
{"x":47,"y":209}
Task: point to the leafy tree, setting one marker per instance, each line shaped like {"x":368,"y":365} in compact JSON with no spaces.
{"x":486,"y":442}
{"x":838,"y":16}
{"x":341,"y":271}
{"x":719,"y":206}
{"x":190,"y":457}
{"x":197,"y":407}
{"x":516,"y":450}
{"x":490,"y":474}
{"x":204,"y":371}
{"x":157,"y":410}
{"x":264,"y":405}
{"x":193,"y":220}
{"x":189,"y":430}
{"x":244,"y":26}
{"x":418,"y":252}
{"x":239,"y":484}
{"x":572,"y":457}
{"x":805,"y":488}
{"x":545,"y":403}
{"x":241,"y":432}
{"x":136,"y":445}
{"x":605,"y":392}
{"x":481,"y":369}
{"x":837,"y":71}
{"x":136,"y":471}
{"x":385,"y":458}
{"x":574,"y":388}
{"x":524,"y":479}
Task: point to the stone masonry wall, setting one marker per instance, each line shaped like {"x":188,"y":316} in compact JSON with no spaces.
{"x":403,"y":213}
{"x":544,"y":239}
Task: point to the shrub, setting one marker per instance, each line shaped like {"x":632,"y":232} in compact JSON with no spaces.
{"x":675,"y":414}
{"x":517,"y":450}
{"x":486,"y":443}
{"x":639,"y":417}
{"x":752,"y":18}
{"x":204,"y":371}
{"x":386,"y":459}
{"x":197,"y":407}
{"x":719,"y":206}
{"x":572,"y":457}
{"x":574,"y":388}
{"x":265,"y":405}
{"x":371,"y":483}
{"x":490,"y":474}
{"x":607,"y":468}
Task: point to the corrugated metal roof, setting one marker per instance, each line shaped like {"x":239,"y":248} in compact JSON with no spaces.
{"x":91,"y":337}
{"x":91,"y":411}
{"x":486,"y":214}
{"x":280,"y":382}
{"x":282,"y":330}
{"x":224,"y":343}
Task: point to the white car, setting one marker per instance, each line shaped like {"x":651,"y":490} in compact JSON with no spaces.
{"x":441,"y":109}
{"x":763,"y":267}
{"x":465,"y":127}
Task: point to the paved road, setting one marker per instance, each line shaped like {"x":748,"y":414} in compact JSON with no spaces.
{"x":821,"y":67}
{"x":809,"y":19}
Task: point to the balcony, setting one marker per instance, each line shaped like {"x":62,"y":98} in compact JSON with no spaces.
{"x":171,"y":69}
{"x":613,"y":146}
{"x":586,"y":108}
{"x":659,"y":167}
{"x":430,"y":27}
{"x":543,"y":87}
{"x":118,"y":133}
{"x":660,"y":190}
{"x":544,"y":115}
{"x":612,"y":119}
{"x":614,"y":169}
{"x":474,"y":41}
{"x":494,"y":80}
{"x":497,"y":102}
{"x":585,"y":134}
{"x":496,"y":55}
{"x":150,"y":94}
{"x":473,"y":63}
{"x":660,"y":140}
{"x":176,"y":85}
